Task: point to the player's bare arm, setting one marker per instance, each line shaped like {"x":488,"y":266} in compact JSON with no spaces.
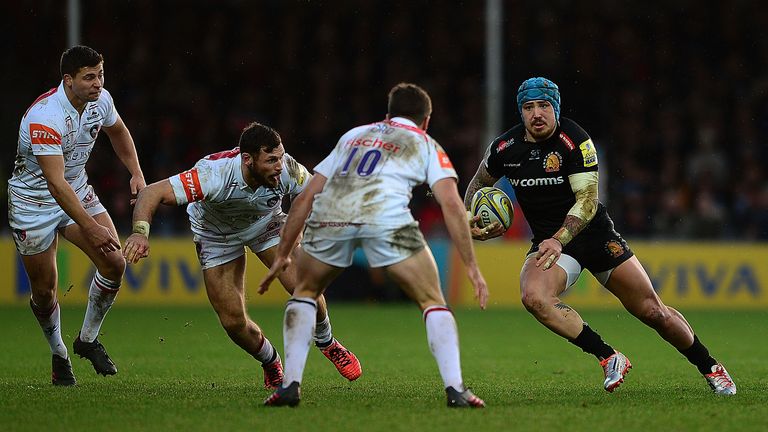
{"x":147,"y":202}
{"x":584,"y":186}
{"x":99,"y":236}
{"x":289,"y":235}
{"x":447,"y":195}
{"x":122,"y":143}
{"x":481,"y":179}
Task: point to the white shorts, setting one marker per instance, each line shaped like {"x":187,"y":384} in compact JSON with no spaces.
{"x":34,"y":225}
{"x":214,"y":249}
{"x":566,"y":262}
{"x":335,"y":244}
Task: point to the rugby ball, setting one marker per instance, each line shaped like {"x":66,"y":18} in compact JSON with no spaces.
{"x":492,"y":205}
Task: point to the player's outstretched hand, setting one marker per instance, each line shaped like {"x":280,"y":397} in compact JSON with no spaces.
{"x":491,"y":231}
{"x":481,"y":288}
{"x":137,"y":183}
{"x":278,"y":266}
{"x":101,"y":238}
{"x":549,"y":251}
{"x":136,"y":248}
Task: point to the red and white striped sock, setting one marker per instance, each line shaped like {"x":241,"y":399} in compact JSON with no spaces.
{"x":266,"y":352}
{"x":101,"y":296}
{"x":50,"y":322}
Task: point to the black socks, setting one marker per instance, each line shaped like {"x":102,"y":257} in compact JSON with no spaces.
{"x":699,"y":356}
{"x":591,"y":342}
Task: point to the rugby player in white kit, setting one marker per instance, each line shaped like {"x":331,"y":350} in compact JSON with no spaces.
{"x":359,"y":197}
{"x":49,"y":195}
{"x":234,"y":200}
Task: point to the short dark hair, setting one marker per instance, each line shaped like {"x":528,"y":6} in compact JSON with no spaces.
{"x":78,"y":57}
{"x":256,"y":137}
{"x":409,"y":100}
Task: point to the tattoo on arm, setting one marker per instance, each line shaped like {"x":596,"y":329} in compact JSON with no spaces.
{"x":584,"y":209}
{"x":563,"y":307}
{"x":574,"y":224}
{"x":586,"y":202}
{"x":481,"y":179}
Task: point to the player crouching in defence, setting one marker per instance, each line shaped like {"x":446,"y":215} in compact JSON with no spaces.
{"x":234,"y":200}
{"x":552,"y":165}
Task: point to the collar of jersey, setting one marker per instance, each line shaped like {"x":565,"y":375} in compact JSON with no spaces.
{"x":238,"y":162}
{"x":403,"y":121}
{"x":62,"y":95}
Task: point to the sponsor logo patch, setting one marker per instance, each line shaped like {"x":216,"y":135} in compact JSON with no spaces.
{"x":190,"y":181}
{"x":445,"y":162}
{"x":545,"y":181}
{"x":504,"y":144}
{"x":535,"y":154}
{"x":567,"y":141}
{"x":41,"y":134}
{"x":589,"y":153}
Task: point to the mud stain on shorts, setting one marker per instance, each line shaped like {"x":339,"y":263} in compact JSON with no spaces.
{"x":408,"y":239}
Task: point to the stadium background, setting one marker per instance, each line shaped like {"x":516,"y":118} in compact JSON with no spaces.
{"x":675,"y":101}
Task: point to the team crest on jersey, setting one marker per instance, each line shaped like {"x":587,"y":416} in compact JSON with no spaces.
{"x":94,"y":131}
{"x":589,"y":153}
{"x":614,"y":248}
{"x":552,"y":162}
{"x":504,"y":144}
{"x":20,"y":234}
{"x":273,"y":201}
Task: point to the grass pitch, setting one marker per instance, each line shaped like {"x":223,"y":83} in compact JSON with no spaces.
{"x":179,"y":371}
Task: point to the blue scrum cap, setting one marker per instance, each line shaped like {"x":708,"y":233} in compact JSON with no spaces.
{"x":539,"y":88}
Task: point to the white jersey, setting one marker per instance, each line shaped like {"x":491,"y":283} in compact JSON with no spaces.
{"x":52,"y":126}
{"x":222,"y":203}
{"x":372,"y":171}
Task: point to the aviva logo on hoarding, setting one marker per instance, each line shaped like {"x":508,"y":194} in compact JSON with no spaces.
{"x":707,"y":275}
{"x":171,"y":275}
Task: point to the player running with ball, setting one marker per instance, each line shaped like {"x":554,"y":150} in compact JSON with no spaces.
{"x":552,"y":166}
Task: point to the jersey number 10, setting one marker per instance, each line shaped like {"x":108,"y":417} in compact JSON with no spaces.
{"x":365,"y":166}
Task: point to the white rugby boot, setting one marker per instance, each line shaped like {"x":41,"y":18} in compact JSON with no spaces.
{"x":720,"y":381}
{"x":615,"y":368}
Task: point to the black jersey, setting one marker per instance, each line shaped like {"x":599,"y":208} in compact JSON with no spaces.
{"x":538,"y":172}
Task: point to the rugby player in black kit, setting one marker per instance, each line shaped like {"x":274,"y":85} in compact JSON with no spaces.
{"x":552,"y":165}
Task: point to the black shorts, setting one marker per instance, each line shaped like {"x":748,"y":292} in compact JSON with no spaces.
{"x":598,"y":248}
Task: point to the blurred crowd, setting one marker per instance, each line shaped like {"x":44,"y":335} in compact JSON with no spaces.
{"x":673,"y":93}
